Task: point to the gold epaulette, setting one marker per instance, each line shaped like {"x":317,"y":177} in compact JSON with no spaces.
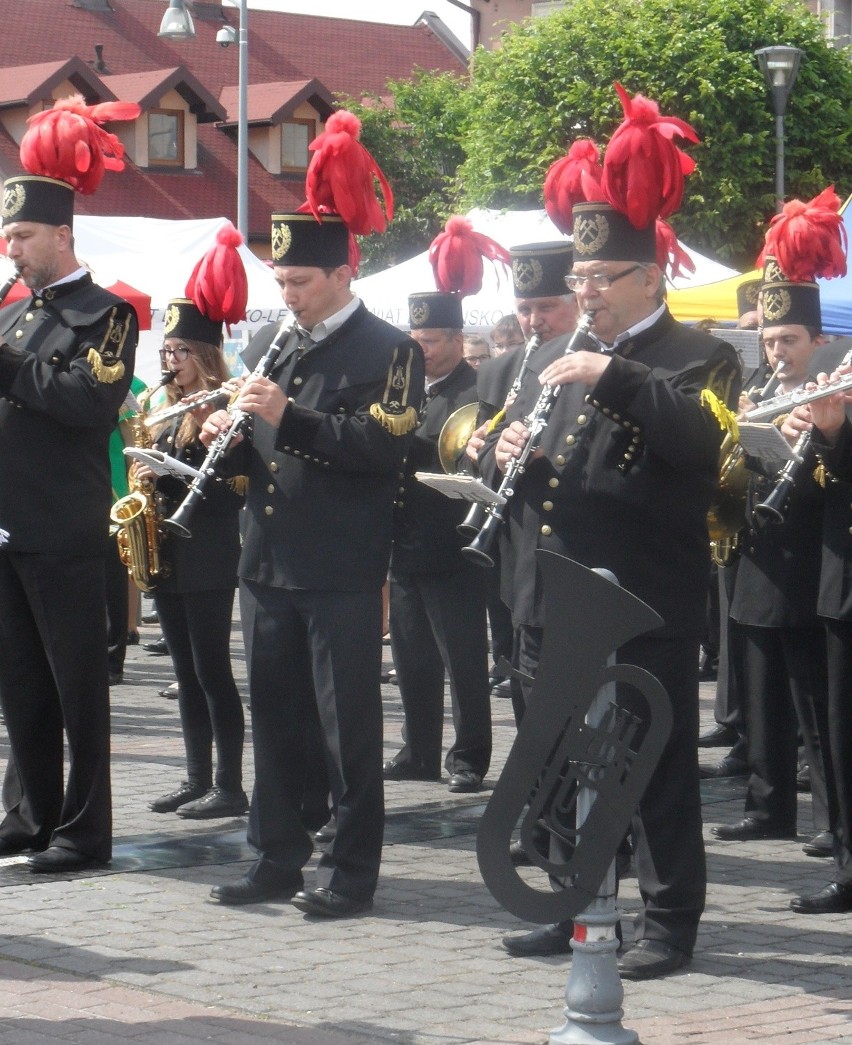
{"x":396,"y":421}
{"x":106,"y":373}
{"x":239,"y":484}
{"x":726,"y":418}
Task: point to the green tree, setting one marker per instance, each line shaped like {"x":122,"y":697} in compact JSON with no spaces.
{"x":551,"y":82}
{"x":415,"y":133}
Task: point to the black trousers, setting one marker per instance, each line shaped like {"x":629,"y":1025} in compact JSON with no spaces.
{"x":117,"y":581}
{"x":839,"y":646}
{"x":53,"y":681}
{"x":729,"y":708}
{"x":314,"y":664}
{"x":785,"y":672}
{"x":438,"y":624}
{"x":197,"y":630}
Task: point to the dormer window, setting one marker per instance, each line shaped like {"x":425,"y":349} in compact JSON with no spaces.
{"x":165,"y":137}
{"x":296,"y":135}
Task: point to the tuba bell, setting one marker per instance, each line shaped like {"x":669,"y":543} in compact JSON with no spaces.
{"x":727,"y":514}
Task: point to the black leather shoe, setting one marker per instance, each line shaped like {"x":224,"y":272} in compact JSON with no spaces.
{"x":56,"y":860}
{"x":187,"y":792}
{"x":158,"y":647}
{"x":326,"y":833}
{"x":171,"y":692}
{"x":549,"y":939}
{"x":12,"y":847}
{"x":116,"y":678}
{"x":215,"y":804}
{"x":650,"y":959}
{"x":327,"y":904}
{"x":150,"y":618}
{"x":750,"y":829}
{"x":245,"y":890}
{"x":405,"y":771}
{"x":820,"y":845}
{"x":718,"y":736}
{"x":834,"y":899}
{"x":133,"y":638}
{"x":803,"y":778}
{"x":728,"y":767}
{"x":464,"y":781}
{"x":502,"y":689}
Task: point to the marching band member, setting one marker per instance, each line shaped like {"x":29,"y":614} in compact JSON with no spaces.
{"x":332,"y":424}
{"x":195,"y":596}
{"x":622,"y":479}
{"x":66,"y":360}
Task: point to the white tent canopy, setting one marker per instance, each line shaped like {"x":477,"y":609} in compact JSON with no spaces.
{"x":386,"y":293}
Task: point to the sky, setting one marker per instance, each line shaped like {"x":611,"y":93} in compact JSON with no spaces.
{"x":398,"y":12}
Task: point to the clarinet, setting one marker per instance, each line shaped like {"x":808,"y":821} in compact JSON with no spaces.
{"x":178,"y":523}
{"x":536,"y":422}
{"x":7,"y":286}
{"x":774,"y":508}
{"x":472,"y":522}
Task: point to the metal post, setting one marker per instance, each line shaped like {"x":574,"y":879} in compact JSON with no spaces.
{"x":779,"y":162}
{"x":242,"y":126}
{"x":594,"y":993}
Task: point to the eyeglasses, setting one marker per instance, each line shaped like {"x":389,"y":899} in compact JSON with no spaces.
{"x":477,"y":359}
{"x":181,"y":353}
{"x":597,"y":280}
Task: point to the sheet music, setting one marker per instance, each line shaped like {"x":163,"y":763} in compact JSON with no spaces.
{"x":464,"y":487}
{"x":765,"y":442}
{"x":161,"y":464}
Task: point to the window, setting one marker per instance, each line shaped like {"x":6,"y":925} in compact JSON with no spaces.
{"x":165,"y":137}
{"x":295,"y":138}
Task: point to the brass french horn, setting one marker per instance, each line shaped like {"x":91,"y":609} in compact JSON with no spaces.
{"x":455,"y":435}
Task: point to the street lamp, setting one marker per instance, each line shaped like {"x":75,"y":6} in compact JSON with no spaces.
{"x":177,"y":25}
{"x":177,"y":22}
{"x":780,"y":67}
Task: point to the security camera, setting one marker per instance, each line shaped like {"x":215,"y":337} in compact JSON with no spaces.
{"x":226,"y":36}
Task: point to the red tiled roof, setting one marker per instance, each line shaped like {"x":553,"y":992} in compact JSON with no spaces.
{"x":272,"y":102}
{"x":347,"y":57}
{"x":24,"y":84}
{"x":147,"y":88}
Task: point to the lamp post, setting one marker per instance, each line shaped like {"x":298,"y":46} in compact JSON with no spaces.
{"x":177,"y":25}
{"x":780,"y":67}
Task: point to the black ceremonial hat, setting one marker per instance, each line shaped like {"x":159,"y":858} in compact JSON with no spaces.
{"x":602,"y":233}
{"x":747,"y":296}
{"x":299,"y":239}
{"x":539,"y":269}
{"x":786,"y":302}
{"x":31,"y":197}
{"x":183,"y":319}
{"x":433,"y":310}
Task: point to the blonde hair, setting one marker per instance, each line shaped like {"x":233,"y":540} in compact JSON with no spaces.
{"x":212,"y":372}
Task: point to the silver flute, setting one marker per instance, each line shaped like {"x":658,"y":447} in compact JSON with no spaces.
{"x":179,"y":409}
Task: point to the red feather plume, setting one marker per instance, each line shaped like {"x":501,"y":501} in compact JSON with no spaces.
{"x":456,"y":257}
{"x":643,"y":170}
{"x":218,"y":286}
{"x":671,"y":257}
{"x":808,"y":240}
{"x":68,"y":142}
{"x":342,"y":177}
{"x":572,"y":179}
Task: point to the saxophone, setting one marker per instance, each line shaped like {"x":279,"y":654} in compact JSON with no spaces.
{"x":137,"y":516}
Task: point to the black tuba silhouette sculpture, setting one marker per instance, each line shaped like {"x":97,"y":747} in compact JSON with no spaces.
{"x":557,"y":752}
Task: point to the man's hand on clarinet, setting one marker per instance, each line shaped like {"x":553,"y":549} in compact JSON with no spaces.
{"x":511,"y":444}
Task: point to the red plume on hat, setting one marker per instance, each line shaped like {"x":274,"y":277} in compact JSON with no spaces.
{"x":342,"y":178}
{"x":808,"y":240}
{"x":456,"y":257}
{"x":574,"y":178}
{"x":218,"y":286}
{"x":671,"y":257}
{"x":69,"y":144}
{"x":643,"y":170}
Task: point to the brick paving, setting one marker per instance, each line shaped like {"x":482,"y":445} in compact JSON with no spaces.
{"x":138,"y":953}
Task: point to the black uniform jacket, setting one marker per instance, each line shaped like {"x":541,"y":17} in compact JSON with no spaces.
{"x":494,"y":380}
{"x":208,"y":560}
{"x":627,"y":476}
{"x":425,"y":536}
{"x":835,"y":590}
{"x":778,"y":572}
{"x":322,"y":486}
{"x":66,"y":360}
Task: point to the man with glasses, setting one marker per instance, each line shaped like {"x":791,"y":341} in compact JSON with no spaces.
{"x":622,"y":479}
